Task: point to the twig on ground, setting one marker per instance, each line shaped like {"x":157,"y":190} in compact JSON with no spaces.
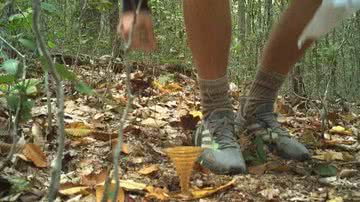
{"x":57,"y":164}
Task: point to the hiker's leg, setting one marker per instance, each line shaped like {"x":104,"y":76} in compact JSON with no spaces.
{"x":281,"y":51}
{"x":208,"y":27}
{"x":280,"y":54}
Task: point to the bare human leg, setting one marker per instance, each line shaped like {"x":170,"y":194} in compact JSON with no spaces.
{"x":208,"y":27}
{"x":280,"y":54}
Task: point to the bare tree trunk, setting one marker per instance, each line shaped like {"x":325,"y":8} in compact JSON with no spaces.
{"x":268,"y":12}
{"x":242,"y":22}
{"x":114,"y":21}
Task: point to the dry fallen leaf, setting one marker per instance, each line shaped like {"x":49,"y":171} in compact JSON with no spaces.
{"x":74,"y":190}
{"x":340,"y":130}
{"x":270,"y":193}
{"x":129,"y":185}
{"x":332,"y":156}
{"x":153,"y":123}
{"x":78,"y":125}
{"x":201,"y":193}
{"x":348,"y":172}
{"x":197,"y":114}
{"x":78,"y":132}
{"x":104,"y":136}
{"x":100,"y":192}
{"x":149,"y":169}
{"x":34,"y":153}
{"x":157,"y":193}
{"x":124,"y":147}
{"x":94,"y":179}
{"x":337,"y":199}
{"x":257,"y":170}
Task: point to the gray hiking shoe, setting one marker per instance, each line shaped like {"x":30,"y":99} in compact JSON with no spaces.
{"x":222,"y":154}
{"x":264,"y":123}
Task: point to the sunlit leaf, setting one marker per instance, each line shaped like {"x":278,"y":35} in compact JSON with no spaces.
{"x":7,"y":79}
{"x":51,"y":44}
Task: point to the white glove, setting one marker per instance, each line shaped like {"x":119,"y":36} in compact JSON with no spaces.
{"x":329,"y":15}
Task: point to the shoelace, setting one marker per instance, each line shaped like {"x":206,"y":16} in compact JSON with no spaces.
{"x":269,"y":122}
{"x":223,"y":130}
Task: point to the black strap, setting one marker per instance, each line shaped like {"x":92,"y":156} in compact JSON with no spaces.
{"x":131,"y":5}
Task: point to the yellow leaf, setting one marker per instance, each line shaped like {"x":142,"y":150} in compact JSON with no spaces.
{"x":328,"y":155}
{"x":173,"y":87}
{"x":128,"y":185}
{"x":340,"y":130}
{"x":337,"y":199}
{"x":149,"y":169}
{"x":201,"y":193}
{"x":34,"y":153}
{"x":74,"y":190}
{"x":197,"y":114}
{"x":77,"y":125}
{"x":131,"y":185}
{"x":153,"y":123}
{"x":78,"y":132}
{"x":100,"y":192}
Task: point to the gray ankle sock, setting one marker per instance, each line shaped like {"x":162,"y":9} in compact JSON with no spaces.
{"x":214,"y":94}
{"x":264,"y":89}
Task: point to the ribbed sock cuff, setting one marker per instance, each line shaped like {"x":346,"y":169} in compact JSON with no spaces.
{"x":214,"y":94}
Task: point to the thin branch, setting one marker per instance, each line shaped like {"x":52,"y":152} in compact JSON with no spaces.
{"x":15,"y":123}
{"x":115,"y":174}
{"x":49,"y":106}
{"x":12,"y":47}
{"x":57,"y":164}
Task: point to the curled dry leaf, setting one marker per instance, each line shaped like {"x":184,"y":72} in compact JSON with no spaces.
{"x":149,"y":169}
{"x":201,"y":193}
{"x":34,"y":153}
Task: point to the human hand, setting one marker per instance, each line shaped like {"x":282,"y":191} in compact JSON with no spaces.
{"x":143,"y":32}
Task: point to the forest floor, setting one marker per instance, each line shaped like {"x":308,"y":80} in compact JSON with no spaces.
{"x":164,"y":114}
